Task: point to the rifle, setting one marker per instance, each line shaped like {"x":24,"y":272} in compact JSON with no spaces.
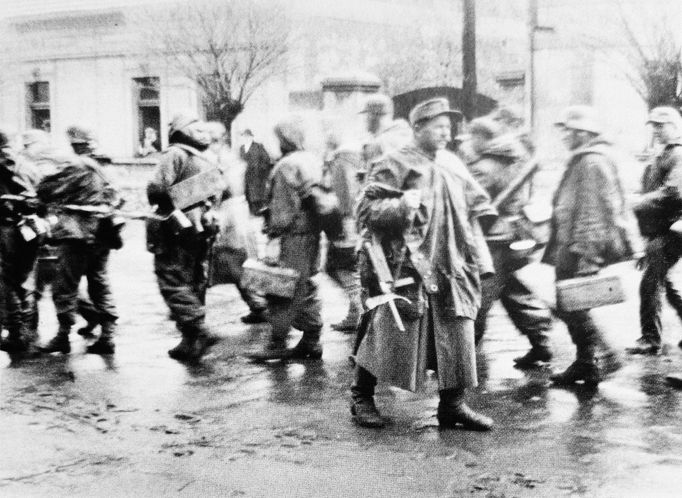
{"x":105,"y":211}
{"x":519,"y":181}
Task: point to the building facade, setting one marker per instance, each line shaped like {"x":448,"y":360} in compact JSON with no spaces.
{"x":84,"y":61}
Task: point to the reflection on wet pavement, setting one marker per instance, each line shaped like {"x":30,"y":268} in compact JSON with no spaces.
{"x":140,"y":421}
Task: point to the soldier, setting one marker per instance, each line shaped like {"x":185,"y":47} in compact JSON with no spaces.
{"x":421,"y":208}
{"x":181,"y":252}
{"x":588,"y":229}
{"x":292,"y":226}
{"x":83,"y":142}
{"x":341,"y":169}
{"x":18,"y":250}
{"x":499,"y":158}
{"x":510,"y":120}
{"x":383,"y":132}
{"x":659,"y":207}
{"x":84,"y":241}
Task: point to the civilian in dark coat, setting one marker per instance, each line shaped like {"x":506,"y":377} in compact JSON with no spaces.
{"x":659,"y":207}
{"x":258,"y":166}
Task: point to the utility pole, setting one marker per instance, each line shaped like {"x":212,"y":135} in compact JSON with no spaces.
{"x":532,"y":27}
{"x":469,"y":93}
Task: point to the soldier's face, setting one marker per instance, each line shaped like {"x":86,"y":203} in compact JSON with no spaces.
{"x":197,"y":131}
{"x":434,"y":134}
{"x":570,"y":138}
{"x":665,"y":132}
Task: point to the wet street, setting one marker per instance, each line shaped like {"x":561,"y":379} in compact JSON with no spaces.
{"x":142,"y":424}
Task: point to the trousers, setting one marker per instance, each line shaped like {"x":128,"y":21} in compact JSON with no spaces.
{"x":662,"y":253}
{"x":17,"y":262}
{"x":76,"y":260}
{"x":528,"y":313}
{"x":181,"y":272}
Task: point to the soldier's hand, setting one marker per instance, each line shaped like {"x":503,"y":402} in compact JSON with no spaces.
{"x":412,"y":198}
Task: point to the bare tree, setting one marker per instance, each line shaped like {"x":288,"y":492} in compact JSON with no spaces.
{"x":656,"y":61}
{"x":229,"y":48}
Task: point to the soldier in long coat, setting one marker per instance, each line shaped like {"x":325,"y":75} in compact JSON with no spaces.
{"x":588,"y":229}
{"x":423,"y":208}
{"x":181,"y":254}
{"x":291,"y":225}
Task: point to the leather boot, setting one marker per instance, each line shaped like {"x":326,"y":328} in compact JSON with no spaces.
{"x":608,"y":362}
{"x":362,"y":406}
{"x":308,"y":348}
{"x":22,"y":341}
{"x":578,"y":371}
{"x":183,"y":349}
{"x":535,"y":358}
{"x":105,"y":344}
{"x":453,"y":413}
{"x":205,"y":340}
{"x":59,"y":343}
{"x":13,"y":343}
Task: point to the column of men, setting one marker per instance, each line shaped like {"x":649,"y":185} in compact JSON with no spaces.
{"x":424,"y":246}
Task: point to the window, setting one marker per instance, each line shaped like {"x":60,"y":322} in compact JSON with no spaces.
{"x":148,"y":115}
{"x":38,"y":104}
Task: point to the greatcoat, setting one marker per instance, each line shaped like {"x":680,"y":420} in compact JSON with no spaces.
{"x":445,"y":253}
{"x":588,"y":227}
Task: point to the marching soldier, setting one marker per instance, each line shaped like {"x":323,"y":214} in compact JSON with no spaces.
{"x":181,"y":249}
{"x":499,"y":159}
{"x":341,"y":176}
{"x":292,"y":225}
{"x":421,"y":209}
{"x":84,"y":241}
{"x":659,"y":207}
{"x":383,"y":132}
{"x":587,"y":229}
